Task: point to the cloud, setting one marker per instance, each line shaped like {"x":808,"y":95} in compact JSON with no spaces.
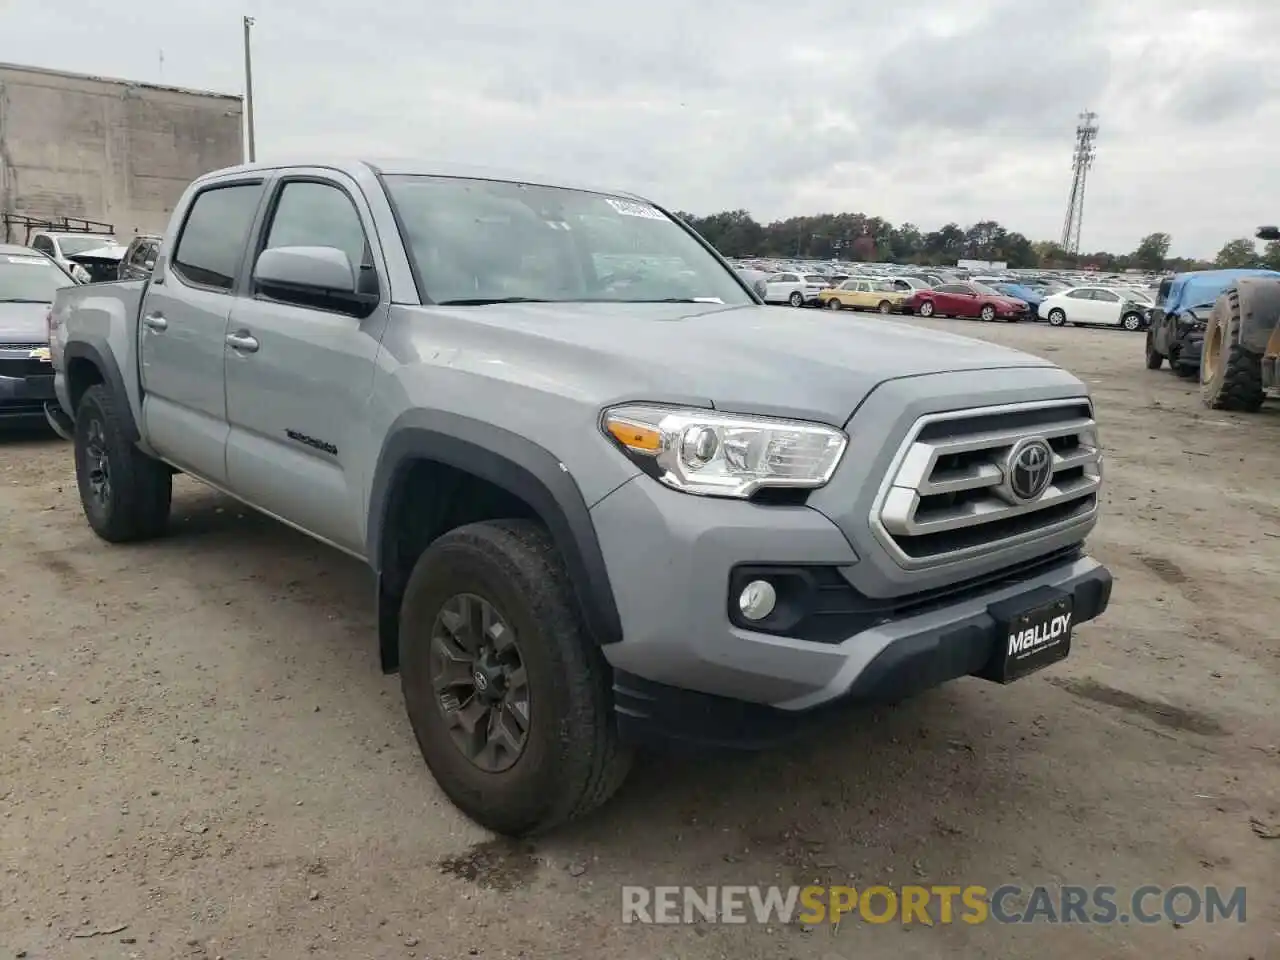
{"x":919,"y":110}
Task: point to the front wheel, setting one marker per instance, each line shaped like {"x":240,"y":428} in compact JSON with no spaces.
{"x":1057,"y":317}
{"x":1154,"y":357}
{"x":926,"y":309}
{"x":1131,"y":322}
{"x":508,"y":697}
{"x":796,"y":299}
{"x":885,"y":306}
{"x":125,"y":494}
{"x":988,"y":312}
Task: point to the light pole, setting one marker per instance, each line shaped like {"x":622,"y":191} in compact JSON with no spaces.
{"x":248,"y":87}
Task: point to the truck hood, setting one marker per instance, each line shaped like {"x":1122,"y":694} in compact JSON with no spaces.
{"x":748,"y":359}
{"x":23,"y":323}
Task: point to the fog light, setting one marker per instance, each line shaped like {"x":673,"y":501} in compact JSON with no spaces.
{"x":757,"y":600}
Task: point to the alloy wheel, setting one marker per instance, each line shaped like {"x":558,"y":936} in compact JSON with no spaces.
{"x":97,"y":464}
{"x":480,"y":682}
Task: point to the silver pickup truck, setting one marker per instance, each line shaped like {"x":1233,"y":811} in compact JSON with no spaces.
{"x":609,"y":497}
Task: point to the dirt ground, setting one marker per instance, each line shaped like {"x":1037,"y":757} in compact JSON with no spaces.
{"x":200,"y":757}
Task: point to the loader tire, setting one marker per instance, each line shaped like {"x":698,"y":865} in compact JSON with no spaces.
{"x":1230,"y":375}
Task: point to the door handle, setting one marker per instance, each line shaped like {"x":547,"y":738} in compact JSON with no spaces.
{"x":242,"y":342}
{"x":156,"y":321}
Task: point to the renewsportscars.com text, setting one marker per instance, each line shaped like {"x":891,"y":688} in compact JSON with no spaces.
{"x":972,"y":904}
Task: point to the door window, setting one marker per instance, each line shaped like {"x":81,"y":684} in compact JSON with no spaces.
{"x":311,"y":214}
{"x":790,"y":278}
{"x":213,"y":238}
{"x":1080,"y":295}
{"x":1106,"y":296}
{"x":44,"y":245}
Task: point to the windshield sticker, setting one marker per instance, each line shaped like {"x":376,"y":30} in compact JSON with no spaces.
{"x":630,"y":208}
{"x":35,"y":260}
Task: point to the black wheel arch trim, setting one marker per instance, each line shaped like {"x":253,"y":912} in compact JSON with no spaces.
{"x":97,"y":351}
{"x":515,"y":464}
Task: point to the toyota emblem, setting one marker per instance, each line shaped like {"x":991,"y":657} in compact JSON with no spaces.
{"x":481,"y":681}
{"x":1029,"y":469}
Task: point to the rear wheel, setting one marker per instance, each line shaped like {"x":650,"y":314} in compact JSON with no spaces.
{"x":926,"y":309}
{"x":1057,"y":317}
{"x":834,"y":304}
{"x":796,"y":299}
{"x":509,"y":699}
{"x":125,"y":493}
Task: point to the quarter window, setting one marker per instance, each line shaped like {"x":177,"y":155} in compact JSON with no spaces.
{"x":214,"y":236}
{"x":44,"y":245}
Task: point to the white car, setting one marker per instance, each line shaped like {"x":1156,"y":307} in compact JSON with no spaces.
{"x":62,"y":246}
{"x":796,"y":289}
{"x":1094,"y":305}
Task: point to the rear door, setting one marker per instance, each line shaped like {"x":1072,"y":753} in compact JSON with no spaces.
{"x":184,"y":325}
{"x":1105,"y":306}
{"x":298,"y":394}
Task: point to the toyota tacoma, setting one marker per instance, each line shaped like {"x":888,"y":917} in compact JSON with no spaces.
{"x":608,"y":496}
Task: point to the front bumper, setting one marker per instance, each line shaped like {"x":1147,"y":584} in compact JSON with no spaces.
{"x":685,"y":672}
{"x":25,"y":387}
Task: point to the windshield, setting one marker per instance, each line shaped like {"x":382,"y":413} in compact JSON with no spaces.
{"x":70,"y":246}
{"x":32,"y":279}
{"x":1138,"y":295}
{"x":480,"y":241}
{"x":983,"y":288}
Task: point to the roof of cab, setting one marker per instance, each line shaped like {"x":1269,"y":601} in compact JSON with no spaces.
{"x":412,"y":167}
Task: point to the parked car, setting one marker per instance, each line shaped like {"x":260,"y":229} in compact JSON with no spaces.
{"x":1020,"y":291}
{"x":796,"y":289}
{"x":61,"y":247}
{"x":968,"y":300}
{"x":140,"y":257}
{"x":1094,"y":306}
{"x":1181,"y":314}
{"x":878,"y":295}
{"x":28,"y":282}
{"x":600,"y":510}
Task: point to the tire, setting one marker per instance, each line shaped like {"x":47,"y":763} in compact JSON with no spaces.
{"x":796,"y":299}
{"x":834,"y":304}
{"x":1230,"y":375}
{"x":884,"y":306}
{"x":1057,"y":317}
{"x":571,"y":761}
{"x":1131,"y":322}
{"x":988,"y":312}
{"x":1154,"y":357}
{"x":926,"y":309}
{"x":125,"y":494}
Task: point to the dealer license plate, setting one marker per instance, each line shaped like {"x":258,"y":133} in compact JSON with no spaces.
{"x":1033,"y":639}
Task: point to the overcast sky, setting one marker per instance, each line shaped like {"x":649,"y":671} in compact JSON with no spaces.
{"x":922,"y":110}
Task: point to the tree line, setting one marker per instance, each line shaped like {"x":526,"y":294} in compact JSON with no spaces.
{"x":860,"y":238}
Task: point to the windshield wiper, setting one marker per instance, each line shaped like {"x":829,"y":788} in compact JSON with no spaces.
{"x":710,"y":300}
{"x":21,"y":300}
{"x":486,"y":301}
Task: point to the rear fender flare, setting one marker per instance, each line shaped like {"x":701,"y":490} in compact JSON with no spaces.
{"x":97,"y":352}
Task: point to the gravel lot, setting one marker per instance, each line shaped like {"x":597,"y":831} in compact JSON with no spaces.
{"x":200,"y":757}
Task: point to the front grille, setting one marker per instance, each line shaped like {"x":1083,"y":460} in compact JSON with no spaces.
{"x":946,"y":497}
{"x":24,"y":346}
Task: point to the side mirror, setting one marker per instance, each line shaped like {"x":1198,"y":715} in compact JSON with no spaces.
{"x":321,"y":277}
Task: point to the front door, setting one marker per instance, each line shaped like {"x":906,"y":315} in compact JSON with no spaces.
{"x":299,"y":378}
{"x":183,"y":327}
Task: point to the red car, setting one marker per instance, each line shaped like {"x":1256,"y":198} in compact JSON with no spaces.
{"x":966,"y":300}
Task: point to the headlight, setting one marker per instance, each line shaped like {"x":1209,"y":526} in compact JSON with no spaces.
{"x":721,"y":455}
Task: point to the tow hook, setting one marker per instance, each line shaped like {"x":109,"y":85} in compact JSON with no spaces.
{"x":59,"y":422}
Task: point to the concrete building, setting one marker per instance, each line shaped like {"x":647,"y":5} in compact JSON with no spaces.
{"x":107,"y":150}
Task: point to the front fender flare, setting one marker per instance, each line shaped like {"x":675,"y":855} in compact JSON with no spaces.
{"x":521,"y":467}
